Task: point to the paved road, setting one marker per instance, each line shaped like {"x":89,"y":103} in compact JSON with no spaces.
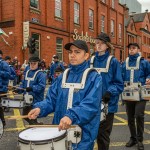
{"x":120,"y":134}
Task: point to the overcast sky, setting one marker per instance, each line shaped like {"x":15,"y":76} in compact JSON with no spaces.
{"x":145,"y":5}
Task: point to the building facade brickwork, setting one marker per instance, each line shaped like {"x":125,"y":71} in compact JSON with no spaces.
{"x":53,"y":31}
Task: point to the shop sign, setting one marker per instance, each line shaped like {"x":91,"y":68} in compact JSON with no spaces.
{"x":83,"y":37}
{"x":25,"y":33}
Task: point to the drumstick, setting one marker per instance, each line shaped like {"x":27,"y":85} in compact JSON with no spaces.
{"x":5,"y":94}
{"x":17,"y":87}
{"x":52,"y":126}
{"x":17,"y":117}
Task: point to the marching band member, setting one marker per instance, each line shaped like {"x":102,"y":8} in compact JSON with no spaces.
{"x":56,"y":63}
{"x":12,"y":71}
{"x":135,"y":109}
{"x":4,"y":79}
{"x":78,"y":104}
{"x":109,"y":68}
{"x":34,"y":83}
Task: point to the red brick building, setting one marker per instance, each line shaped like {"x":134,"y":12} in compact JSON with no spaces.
{"x":138,"y":30}
{"x":55,"y":22}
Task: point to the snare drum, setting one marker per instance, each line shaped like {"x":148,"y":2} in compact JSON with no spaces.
{"x":12,"y":103}
{"x":1,"y":129}
{"x":104,"y":111}
{"x":131,"y":94}
{"x":42,"y":138}
{"x":74,"y":135}
{"x":145,"y":92}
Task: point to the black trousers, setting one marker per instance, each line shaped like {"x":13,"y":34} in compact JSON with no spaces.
{"x":135,"y":113}
{"x":105,"y":128}
{"x":26,"y":110}
{"x":1,"y":110}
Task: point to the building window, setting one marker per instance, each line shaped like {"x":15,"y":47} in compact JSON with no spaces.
{"x":113,"y":3}
{"x":59,"y":48}
{"x":112,"y":28}
{"x":34,"y":3}
{"x":36,"y":36}
{"x":58,"y":8}
{"x":91,"y":18}
{"x":102,"y":23}
{"x":76,"y":12}
{"x":120,"y":31}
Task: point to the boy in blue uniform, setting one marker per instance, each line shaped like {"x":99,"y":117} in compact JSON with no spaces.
{"x":84,"y":110}
{"x":135,"y":109}
{"x":34,"y":82}
{"x":109,"y":68}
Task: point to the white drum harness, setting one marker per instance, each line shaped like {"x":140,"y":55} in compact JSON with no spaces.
{"x":74,"y":135}
{"x":29,"y":98}
{"x":99,"y":70}
{"x":104,"y":70}
{"x":132,"y":90}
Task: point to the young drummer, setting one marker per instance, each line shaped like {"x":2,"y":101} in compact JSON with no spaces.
{"x":82,"y":108}
{"x":109,"y":68}
{"x":136,"y":71}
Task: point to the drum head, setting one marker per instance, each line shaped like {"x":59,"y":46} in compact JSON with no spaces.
{"x":1,"y":129}
{"x":41,"y":135}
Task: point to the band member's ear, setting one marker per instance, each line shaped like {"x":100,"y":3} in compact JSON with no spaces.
{"x":87,"y":55}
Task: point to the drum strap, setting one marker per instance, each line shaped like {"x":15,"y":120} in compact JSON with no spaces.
{"x":132,"y":68}
{"x":31,"y":79}
{"x":73,"y":86}
{"x":99,"y":70}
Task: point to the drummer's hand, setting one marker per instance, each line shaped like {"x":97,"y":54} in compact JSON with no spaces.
{"x":10,"y":87}
{"x":33,"y":114}
{"x":147,"y":81}
{"x":65,"y":123}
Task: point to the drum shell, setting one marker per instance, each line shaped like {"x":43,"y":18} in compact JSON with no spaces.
{"x":58,"y":143}
{"x":145,"y":93}
{"x":12,"y":103}
{"x":104,"y":111}
{"x":131,"y":95}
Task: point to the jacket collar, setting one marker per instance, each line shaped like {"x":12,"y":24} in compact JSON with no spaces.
{"x":78,"y":68}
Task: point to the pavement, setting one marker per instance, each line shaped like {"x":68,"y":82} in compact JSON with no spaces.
{"x":120,"y":133}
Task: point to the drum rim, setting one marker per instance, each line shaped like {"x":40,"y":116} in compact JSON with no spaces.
{"x":6,"y":98}
{"x":41,"y":142}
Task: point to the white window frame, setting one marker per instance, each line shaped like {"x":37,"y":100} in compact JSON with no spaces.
{"x":91,"y":18}
{"x":102,"y":23}
{"x":76,"y":13}
{"x":58,"y":8}
{"x":112,"y":28}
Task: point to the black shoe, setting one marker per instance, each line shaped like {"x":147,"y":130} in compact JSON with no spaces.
{"x":131,"y":143}
{"x":140,"y":146}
